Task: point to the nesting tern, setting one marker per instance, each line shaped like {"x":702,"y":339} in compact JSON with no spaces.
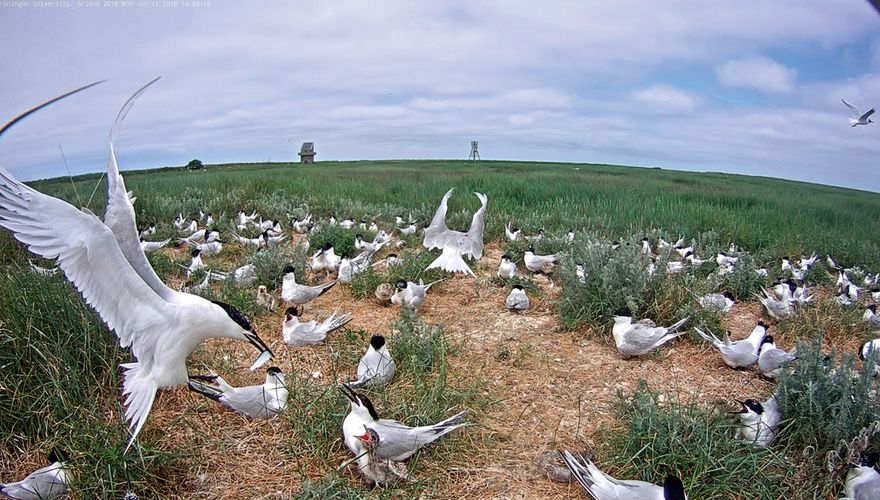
{"x":507,"y":268}
{"x":771,"y":359}
{"x":538,"y":263}
{"x":758,"y":421}
{"x":411,"y":294}
{"x":636,"y":339}
{"x":291,"y":291}
{"x":255,"y":401}
{"x":376,"y":367}
{"x":601,"y":486}
{"x":517,"y":300}
{"x":298,"y":333}
{"x":741,"y":353}
{"x":397,"y":440}
{"x":42,"y":484}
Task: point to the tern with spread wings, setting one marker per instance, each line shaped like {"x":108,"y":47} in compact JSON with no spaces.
{"x":105,"y":262}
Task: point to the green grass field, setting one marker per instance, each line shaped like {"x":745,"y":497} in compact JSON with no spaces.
{"x":59,"y":382}
{"x":768,"y":217}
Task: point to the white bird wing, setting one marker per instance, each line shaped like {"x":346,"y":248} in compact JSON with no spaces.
{"x":252,"y":400}
{"x":88,"y":253}
{"x":120,"y":218}
{"x":854,"y":110}
{"x":475,"y":233}
{"x":435,"y":232}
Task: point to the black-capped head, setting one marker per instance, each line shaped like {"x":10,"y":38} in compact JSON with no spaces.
{"x":400,"y":284}
{"x":673,"y":489}
{"x":505,"y":256}
{"x":274,"y":370}
{"x":287,"y":270}
{"x":359,"y":399}
{"x":391,"y":256}
{"x":768,"y":339}
{"x":518,"y":287}
{"x":785,"y":258}
{"x":236,"y":315}
{"x":751,"y":404}
{"x":327,"y":246}
{"x":57,"y":454}
{"x":530,"y":249}
{"x":358,"y":236}
{"x":728,"y":295}
{"x":873,"y":308}
{"x":688,"y":254}
{"x":866,"y":350}
{"x":869,"y":459}
{"x":292,"y":311}
{"x":623,"y":311}
{"x":363,"y":221}
{"x":377,"y":341}
{"x":195,"y":252}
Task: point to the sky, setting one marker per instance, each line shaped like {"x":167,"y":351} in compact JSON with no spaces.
{"x":750,"y":87}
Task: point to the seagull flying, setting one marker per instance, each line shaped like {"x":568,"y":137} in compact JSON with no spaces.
{"x":859,"y":118}
{"x":160,"y":325}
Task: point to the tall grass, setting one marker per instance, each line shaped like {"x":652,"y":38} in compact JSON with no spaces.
{"x":663,"y":434}
{"x":60,"y":386}
{"x":611,"y":201}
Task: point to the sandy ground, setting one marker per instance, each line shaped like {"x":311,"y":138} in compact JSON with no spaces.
{"x":554,"y":391}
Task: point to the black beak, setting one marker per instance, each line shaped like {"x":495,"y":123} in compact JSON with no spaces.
{"x":348,"y":392}
{"x":257,"y":342}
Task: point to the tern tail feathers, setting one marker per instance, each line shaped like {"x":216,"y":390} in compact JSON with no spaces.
{"x":450,"y":260}
{"x":207,"y":390}
{"x":708,"y":337}
{"x":334,"y":322}
{"x":326,"y":287}
{"x":678,"y":325}
{"x":140,"y":392}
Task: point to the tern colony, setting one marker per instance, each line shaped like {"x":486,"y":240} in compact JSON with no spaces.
{"x":167,"y":324}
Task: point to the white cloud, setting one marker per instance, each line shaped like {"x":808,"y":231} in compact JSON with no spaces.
{"x":394,"y":79}
{"x":757,"y":73}
{"x":663,"y":98}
